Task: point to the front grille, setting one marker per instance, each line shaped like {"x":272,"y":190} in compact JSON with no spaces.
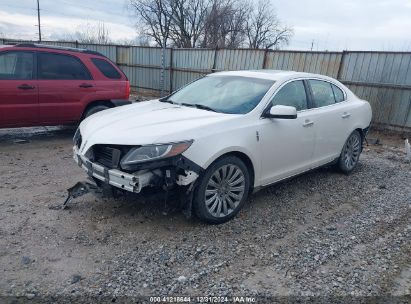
{"x":107,"y":156}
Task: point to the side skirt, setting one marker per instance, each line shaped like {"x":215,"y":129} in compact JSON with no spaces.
{"x":331,"y":163}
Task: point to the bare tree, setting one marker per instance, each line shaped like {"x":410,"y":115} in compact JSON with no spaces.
{"x":236,"y":24}
{"x":139,"y":40}
{"x":188,"y":20}
{"x":225,"y":24}
{"x":264,"y":30}
{"x":155,"y":16}
{"x":92,"y":33}
{"x":211,"y":23}
{"x":143,"y":40}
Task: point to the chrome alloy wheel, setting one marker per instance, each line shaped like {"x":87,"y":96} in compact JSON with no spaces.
{"x":224,"y":190}
{"x":352,"y":150}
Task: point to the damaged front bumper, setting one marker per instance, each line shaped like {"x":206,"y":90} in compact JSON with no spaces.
{"x":176,"y":173}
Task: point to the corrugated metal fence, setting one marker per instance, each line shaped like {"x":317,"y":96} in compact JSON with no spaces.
{"x":382,"y":78}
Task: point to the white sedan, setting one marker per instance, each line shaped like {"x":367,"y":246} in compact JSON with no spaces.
{"x":224,"y":136}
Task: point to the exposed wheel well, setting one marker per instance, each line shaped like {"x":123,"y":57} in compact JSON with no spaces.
{"x":362,"y":133}
{"x":97,"y":103}
{"x":247,"y":162}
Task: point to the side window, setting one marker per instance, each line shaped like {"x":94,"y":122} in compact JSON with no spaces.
{"x":61,"y":67}
{"x":338,"y":94}
{"x":16,"y":65}
{"x":106,"y":68}
{"x":322,"y":93}
{"x":292,"y":94}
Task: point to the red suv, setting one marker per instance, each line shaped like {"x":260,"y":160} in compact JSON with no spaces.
{"x":47,"y":85}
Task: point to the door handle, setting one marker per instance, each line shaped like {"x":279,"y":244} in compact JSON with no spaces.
{"x":25,"y":87}
{"x":308,"y":123}
{"x":345,"y":115}
{"x":85,"y":85}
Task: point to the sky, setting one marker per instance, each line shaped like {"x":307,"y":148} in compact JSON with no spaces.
{"x":332,"y":25}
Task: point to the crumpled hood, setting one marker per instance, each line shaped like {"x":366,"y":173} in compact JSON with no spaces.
{"x":146,"y":123}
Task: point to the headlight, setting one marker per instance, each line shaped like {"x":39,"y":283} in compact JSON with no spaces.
{"x":151,"y":152}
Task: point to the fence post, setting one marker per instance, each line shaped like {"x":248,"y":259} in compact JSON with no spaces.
{"x":117,"y":61}
{"x":162,"y":71}
{"x":171,"y":71}
{"x":265,"y":58}
{"x":340,"y":67}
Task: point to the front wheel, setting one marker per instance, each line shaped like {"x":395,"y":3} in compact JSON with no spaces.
{"x":222,"y":191}
{"x":350,"y":153}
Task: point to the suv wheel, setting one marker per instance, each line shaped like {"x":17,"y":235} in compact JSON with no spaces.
{"x":94,"y":109}
{"x":222,"y":191}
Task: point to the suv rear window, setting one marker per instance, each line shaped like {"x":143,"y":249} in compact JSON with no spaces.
{"x":61,"y":67}
{"x":106,"y":68}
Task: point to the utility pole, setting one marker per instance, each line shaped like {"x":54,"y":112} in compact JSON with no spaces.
{"x":38,"y":18}
{"x":312,"y":45}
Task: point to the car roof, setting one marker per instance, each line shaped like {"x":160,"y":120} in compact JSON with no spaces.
{"x":53,"y":47}
{"x":275,"y":75}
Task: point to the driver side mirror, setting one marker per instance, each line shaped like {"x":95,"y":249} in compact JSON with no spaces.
{"x":282,"y":112}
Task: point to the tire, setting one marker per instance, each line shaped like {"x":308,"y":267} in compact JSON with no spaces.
{"x":222,"y":191}
{"x":350,"y":153}
{"x":94,"y":109}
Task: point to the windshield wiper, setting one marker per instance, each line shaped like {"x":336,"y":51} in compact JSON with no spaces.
{"x":167,"y":100}
{"x":198,"y":106}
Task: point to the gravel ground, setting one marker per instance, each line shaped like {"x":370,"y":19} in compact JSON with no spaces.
{"x":320,"y":236}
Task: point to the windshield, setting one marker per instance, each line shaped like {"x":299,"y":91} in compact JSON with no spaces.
{"x":226,"y":94}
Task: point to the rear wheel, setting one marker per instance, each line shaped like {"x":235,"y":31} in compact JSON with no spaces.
{"x":222,"y":191}
{"x":94,"y":109}
{"x":350,"y":153}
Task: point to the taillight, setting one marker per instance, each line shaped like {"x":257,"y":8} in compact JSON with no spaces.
{"x":127,"y":89}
